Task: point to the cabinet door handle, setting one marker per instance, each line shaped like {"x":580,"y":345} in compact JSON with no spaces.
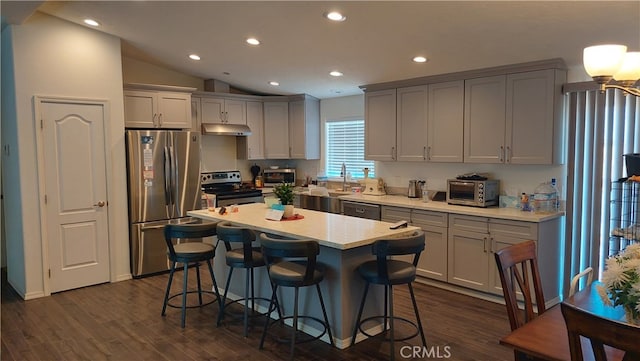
{"x":160,"y":120}
{"x":507,"y":154}
{"x":484,"y":244}
{"x":429,"y":152}
{"x":393,"y":153}
{"x":154,"y":118}
{"x":501,"y":153}
{"x":424,"y":153}
{"x":492,"y":245}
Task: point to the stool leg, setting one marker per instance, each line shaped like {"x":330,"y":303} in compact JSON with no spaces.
{"x":295,"y":322}
{"x":184,"y":293}
{"x":215,"y":285}
{"x":223,"y":304}
{"x":253,"y":295}
{"x":324,"y":313}
{"x":166,"y":295}
{"x":266,"y":324}
{"x":357,"y":326}
{"x":386,"y":308}
{"x":199,"y":287}
{"x":393,"y":352}
{"x":415,"y":309}
{"x":246,"y":301}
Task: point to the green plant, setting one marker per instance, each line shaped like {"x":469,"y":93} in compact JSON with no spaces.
{"x":284,"y":192}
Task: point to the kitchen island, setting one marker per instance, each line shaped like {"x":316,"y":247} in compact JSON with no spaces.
{"x":344,"y":244}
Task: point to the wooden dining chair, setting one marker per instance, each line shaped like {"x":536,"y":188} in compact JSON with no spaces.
{"x":600,"y":331}
{"x":587,"y":272}
{"x":518,"y":269}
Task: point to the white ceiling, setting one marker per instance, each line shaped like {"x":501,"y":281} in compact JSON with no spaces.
{"x":375,"y":44}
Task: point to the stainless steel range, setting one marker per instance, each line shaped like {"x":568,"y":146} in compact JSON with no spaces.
{"x":228,"y":188}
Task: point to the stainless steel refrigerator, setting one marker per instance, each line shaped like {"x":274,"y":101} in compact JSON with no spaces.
{"x":163,"y":174}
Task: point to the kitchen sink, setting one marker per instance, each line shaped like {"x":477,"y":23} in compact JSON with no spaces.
{"x":323,"y":203}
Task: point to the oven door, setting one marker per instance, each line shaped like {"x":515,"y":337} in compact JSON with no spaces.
{"x":223,"y":201}
{"x":461,"y":192}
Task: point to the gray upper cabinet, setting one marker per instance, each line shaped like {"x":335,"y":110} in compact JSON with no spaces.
{"x":147,"y":108}
{"x":380,"y":125}
{"x":411,"y":127}
{"x":428,"y":123}
{"x":510,"y":114}
{"x":533,"y":117}
{"x":304,"y":127}
{"x":484,"y":119}
{"x":445,"y":122}
{"x":276,"y":129}
{"x":221,"y":110}
{"x":514,"y":118}
{"x":252,"y":146}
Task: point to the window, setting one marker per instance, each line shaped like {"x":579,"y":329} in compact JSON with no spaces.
{"x":602,"y":127}
{"x":345,"y":143}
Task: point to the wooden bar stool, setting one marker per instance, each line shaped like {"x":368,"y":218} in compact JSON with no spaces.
{"x":292,"y":263}
{"x":190,"y":254}
{"x":390,"y":272}
{"x":246,"y":257}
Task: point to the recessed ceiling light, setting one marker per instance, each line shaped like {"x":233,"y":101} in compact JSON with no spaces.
{"x":336,"y":73}
{"x":274,"y":83}
{"x":420,"y":59}
{"x":91,"y":22}
{"x":335,"y":16}
{"x":194,"y":57}
{"x":253,"y":41}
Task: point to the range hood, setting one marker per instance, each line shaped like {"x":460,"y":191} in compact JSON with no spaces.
{"x":225,"y":129}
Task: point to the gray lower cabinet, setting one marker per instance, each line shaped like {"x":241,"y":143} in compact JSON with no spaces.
{"x":433,"y":261}
{"x":473,"y":242}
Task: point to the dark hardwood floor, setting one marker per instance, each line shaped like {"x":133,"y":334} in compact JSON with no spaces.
{"x":121,"y":321}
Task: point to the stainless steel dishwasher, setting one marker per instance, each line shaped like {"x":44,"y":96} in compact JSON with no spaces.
{"x":362,"y":210}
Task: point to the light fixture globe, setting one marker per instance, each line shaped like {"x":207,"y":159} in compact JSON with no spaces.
{"x":629,"y":72}
{"x":602,"y":61}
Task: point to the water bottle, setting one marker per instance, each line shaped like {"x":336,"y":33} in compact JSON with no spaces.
{"x":555,"y":188}
{"x":545,"y":198}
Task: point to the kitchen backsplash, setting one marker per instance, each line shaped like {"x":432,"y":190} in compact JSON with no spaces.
{"x":515,"y":179}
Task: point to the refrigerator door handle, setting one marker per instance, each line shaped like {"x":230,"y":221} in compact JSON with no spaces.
{"x":151,"y":227}
{"x":174,"y":181}
{"x":167,"y":178}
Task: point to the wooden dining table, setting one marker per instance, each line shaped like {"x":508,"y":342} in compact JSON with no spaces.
{"x":546,"y":336}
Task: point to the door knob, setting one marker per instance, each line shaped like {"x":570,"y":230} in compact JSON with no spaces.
{"x":100,"y":204}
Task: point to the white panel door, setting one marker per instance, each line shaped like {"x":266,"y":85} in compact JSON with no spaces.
{"x":76,"y":193}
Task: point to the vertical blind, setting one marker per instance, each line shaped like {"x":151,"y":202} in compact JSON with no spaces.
{"x":345,"y":144}
{"x":602,"y":128}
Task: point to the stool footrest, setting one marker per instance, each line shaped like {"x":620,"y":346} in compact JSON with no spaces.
{"x":193,"y":306}
{"x":288,"y":340}
{"x":254,"y":313}
{"x":413,"y":324}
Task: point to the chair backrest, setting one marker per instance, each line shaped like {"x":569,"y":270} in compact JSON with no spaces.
{"x":383,"y":248}
{"x":574,"y":281}
{"x":600,"y":331}
{"x":229,"y":233}
{"x":277,"y":249}
{"x":187,"y":231}
{"x":518,"y":267}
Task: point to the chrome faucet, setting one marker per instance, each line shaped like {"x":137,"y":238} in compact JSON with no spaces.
{"x":343,"y":173}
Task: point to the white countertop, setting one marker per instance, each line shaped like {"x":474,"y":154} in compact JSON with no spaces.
{"x":330,"y":230}
{"x":417,"y":203}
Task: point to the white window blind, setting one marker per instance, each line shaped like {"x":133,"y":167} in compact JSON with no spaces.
{"x":602,"y":128}
{"x":345,"y":144}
